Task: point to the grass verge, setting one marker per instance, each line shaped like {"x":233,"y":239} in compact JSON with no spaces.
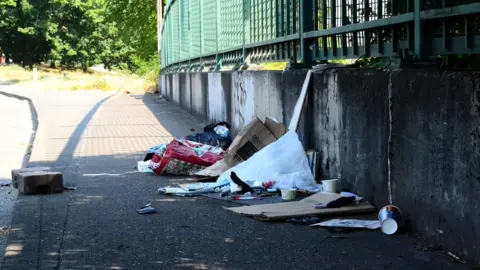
{"x":65,"y":80}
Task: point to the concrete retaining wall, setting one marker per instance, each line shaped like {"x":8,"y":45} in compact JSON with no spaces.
{"x":410,"y":137}
{"x":436,"y":155}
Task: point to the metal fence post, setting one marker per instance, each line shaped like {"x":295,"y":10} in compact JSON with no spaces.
{"x":218,"y":32}
{"x":245,"y":4}
{"x":306,"y":25}
{"x":418,"y":29}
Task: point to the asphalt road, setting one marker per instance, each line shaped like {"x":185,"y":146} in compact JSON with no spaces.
{"x":96,"y":226}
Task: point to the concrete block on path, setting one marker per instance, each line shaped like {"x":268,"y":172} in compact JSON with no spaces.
{"x":40,"y":182}
{"x":15,"y":173}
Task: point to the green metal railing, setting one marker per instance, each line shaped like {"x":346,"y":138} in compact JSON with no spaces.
{"x":212,"y":33}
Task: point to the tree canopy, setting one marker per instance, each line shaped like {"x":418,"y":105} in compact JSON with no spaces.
{"x":137,"y":23}
{"x":79,"y":33}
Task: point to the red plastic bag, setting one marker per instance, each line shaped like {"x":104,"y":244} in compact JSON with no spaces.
{"x":183,"y":157}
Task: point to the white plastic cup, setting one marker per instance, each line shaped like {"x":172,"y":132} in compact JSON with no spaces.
{"x":390,"y":218}
{"x":289,"y":194}
{"x":330,"y":185}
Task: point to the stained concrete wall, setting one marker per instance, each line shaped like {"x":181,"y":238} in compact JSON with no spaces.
{"x":436,"y":155}
{"x":410,"y":137}
{"x":199,"y":94}
{"x":175,"y":91}
{"x":350,"y":128}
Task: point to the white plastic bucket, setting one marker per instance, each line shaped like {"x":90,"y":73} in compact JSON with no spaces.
{"x":330,"y":185}
{"x":289,"y":194}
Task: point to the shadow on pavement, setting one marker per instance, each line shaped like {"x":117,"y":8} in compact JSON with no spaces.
{"x":176,"y":120}
{"x":9,"y":82}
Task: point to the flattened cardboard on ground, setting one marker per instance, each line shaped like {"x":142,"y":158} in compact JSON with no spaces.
{"x":251,"y":139}
{"x":279,"y":211}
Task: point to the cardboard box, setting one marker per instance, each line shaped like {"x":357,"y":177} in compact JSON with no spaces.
{"x":251,"y":139}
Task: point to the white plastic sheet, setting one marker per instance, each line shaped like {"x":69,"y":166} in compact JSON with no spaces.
{"x":283,"y":161}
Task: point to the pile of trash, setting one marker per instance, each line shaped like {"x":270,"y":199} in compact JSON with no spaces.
{"x":267,"y":169}
{"x":262,"y":154}
{"x":264,"y":167}
{"x":185,"y":156}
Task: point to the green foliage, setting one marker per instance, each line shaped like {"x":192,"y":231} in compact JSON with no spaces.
{"x":74,"y":33}
{"x":23,"y":28}
{"x":81,"y":33}
{"x":148,"y":70}
{"x":137,"y":24}
{"x":84,"y":37}
{"x":100,"y":84}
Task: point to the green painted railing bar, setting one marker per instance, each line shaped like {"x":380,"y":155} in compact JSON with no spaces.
{"x":418,"y":28}
{"x":404,"y":18}
{"x":209,"y":34}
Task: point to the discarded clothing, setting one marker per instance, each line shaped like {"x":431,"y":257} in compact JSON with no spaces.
{"x":183,"y":157}
{"x":346,"y":198}
{"x":210,"y":138}
{"x":244,"y":187}
{"x":215,"y":135}
{"x":159,"y":149}
{"x":340,"y":202}
{"x":211,"y":127}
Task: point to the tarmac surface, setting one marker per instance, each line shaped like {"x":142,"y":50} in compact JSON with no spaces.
{"x":95,"y":140}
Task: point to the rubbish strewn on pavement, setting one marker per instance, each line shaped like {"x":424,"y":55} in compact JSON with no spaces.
{"x":330,"y":185}
{"x":349,"y":223}
{"x":308,"y":220}
{"x":144,"y":166}
{"x":191,"y":189}
{"x":264,"y":161}
{"x":300,"y":105}
{"x":346,"y":198}
{"x":252,"y":138}
{"x":217,"y":134}
{"x":147,"y":209}
{"x":456,"y":258}
{"x":390,"y":218}
{"x":280,"y":211}
{"x":184,"y":157}
{"x":289,"y":194}
{"x":283,"y":161}
{"x":312,"y":157}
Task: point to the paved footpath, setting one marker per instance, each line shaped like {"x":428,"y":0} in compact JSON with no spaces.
{"x":15,"y":131}
{"x":96,"y":227}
